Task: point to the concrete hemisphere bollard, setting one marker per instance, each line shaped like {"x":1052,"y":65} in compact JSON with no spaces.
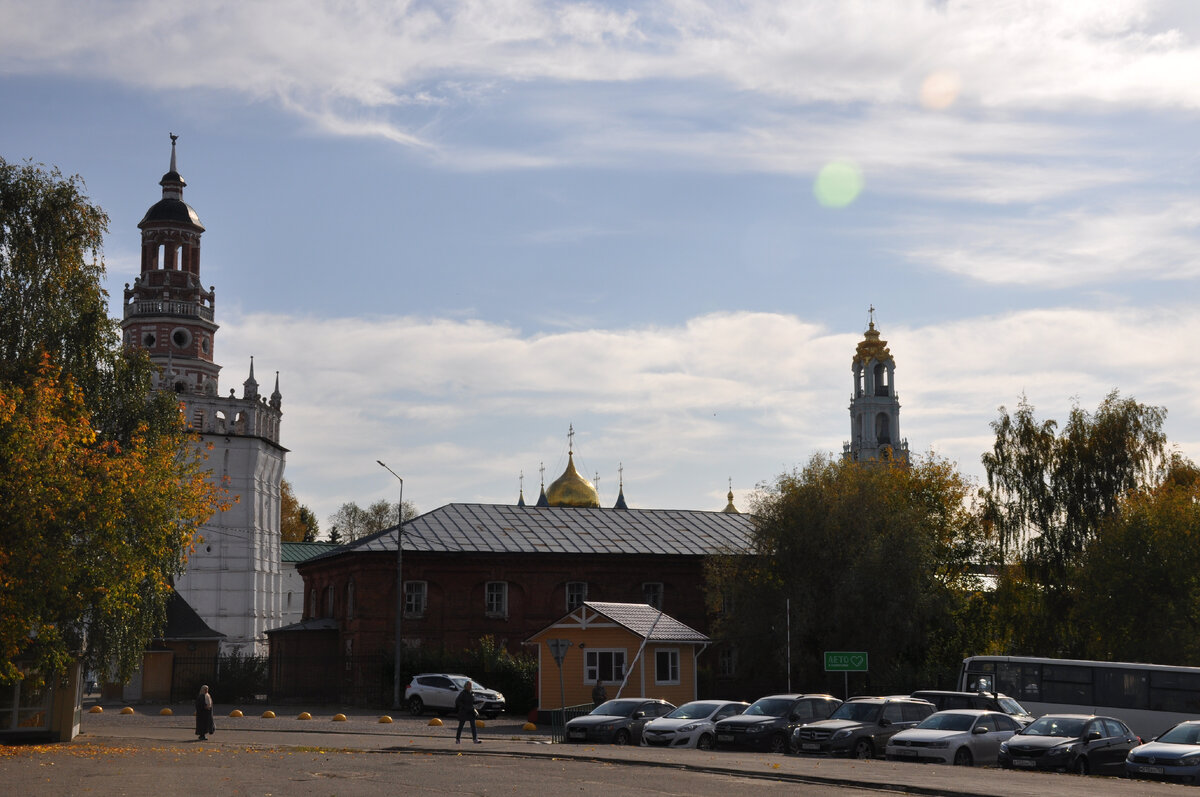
{"x":166,"y":712}
{"x":127,"y":710}
{"x":304,"y":715}
{"x":268,"y":715}
{"x":339,"y":718}
{"x":96,"y":710}
{"x":436,"y":722}
{"x":385,"y":720}
{"x":237,"y":712}
{"x":529,"y":726}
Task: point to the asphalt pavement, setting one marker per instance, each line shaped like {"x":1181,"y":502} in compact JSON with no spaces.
{"x":138,"y":744}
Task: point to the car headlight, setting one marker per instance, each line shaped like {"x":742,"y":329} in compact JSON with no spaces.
{"x":842,"y":734}
{"x":1190,"y":760}
{"x":938,"y":745}
{"x":757,"y":729}
{"x":1061,"y":750}
{"x":691,"y":726}
{"x":605,"y":728}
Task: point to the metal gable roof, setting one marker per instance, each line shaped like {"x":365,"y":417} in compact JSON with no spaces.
{"x":303,"y":551}
{"x":646,"y":621}
{"x":507,"y":528}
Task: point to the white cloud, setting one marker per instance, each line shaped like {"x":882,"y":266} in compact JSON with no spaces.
{"x":463,"y":407}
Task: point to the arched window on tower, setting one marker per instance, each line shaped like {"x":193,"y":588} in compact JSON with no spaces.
{"x":881,"y":385}
{"x":883,"y":433}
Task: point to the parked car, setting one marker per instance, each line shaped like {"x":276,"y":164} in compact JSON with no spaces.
{"x":438,"y":691}
{"x":963,"y":737}
{"x":691,"y":725}
{"x":985,"y":701}
{"x":764,"y":725}
{"x":617,"y":721}
{"x":1079,"y":743}
{"x":1173,"y":756}
{"x":860,"y":727}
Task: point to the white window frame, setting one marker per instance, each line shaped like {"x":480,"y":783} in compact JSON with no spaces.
{"x":495,"y":599}
{"x":727,"y":663}
{"x":616,"y":664}
{"x":578,"y":589}
{"x":416,"y":598}
{"x":672,"y":665}
{"x":652,"y":593}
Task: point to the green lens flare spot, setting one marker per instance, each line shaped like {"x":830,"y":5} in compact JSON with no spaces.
{"x":838,"y":184}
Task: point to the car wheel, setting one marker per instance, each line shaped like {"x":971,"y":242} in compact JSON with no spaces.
{"x":705,"y":742}
{"x":863,"y":749}
{"x":778,"y":743}
{"x":622,"y":737}
{"x":1080,"y":767}
{"x":962,"y":758}
{"x":415,"y":706}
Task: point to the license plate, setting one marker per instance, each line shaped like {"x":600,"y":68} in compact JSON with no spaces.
{"x":1027,"y":763}
{"x":810,"y":746}
{"x":905,"y":752}
{"x":1149,"y":770}
{"x":578,"y":734}
{"x":724,"y":737}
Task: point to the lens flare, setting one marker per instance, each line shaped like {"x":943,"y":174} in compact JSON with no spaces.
{"x":838,"y":184}
{"x":939,"y":90}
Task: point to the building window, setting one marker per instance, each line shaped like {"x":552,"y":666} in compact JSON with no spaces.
{"x":727,"y":663}
{"x":495,"y":599}
{"x":415,"y":593}
{"x":329,"y":601}
{"x":652,"y":593}
{"x":350,"y":599}
{"x":576,"y":594}
{"x":607,"y":665}
{"x":312,"y":604}
{"x":666,"y":666}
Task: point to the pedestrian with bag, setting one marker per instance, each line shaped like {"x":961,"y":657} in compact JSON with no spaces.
{"x":464,"y":705}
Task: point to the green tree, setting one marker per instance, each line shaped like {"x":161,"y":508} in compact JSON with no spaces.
{"x":297,"y":522}
{"x":1048,"y":495}
{"x":352,"y":522}
{"x":1139,"y":576}
{"x":872,"y":556}
{"x":103,"y":487}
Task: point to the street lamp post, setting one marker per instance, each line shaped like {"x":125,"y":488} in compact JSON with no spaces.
{"x":399,"y":586}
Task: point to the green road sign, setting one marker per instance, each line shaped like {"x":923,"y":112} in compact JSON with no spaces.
{"x":845,"y":661}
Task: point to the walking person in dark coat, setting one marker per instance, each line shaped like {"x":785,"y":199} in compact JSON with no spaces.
{"x":464,"y":705}
{"x":599,"y":693}
{"x":204,"y":714}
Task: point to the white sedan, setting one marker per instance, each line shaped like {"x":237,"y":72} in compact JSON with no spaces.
{"x":690,"y":725}
{"x":964,"y":737}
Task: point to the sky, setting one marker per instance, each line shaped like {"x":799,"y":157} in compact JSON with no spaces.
{"x":458,"y":229}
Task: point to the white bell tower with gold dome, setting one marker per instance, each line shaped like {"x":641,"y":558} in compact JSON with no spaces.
{"x":233,"y":576}
{"x":874,"y":404}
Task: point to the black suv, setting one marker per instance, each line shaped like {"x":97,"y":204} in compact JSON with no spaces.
{"x":860,"y":727}
{"x":945,"y":701}
{"x":764,"y":726}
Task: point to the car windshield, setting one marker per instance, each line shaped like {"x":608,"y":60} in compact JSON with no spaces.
{"x":769,"y":707}
{"x":858,"y":712}
{"x":617,"y":708}
{"x":1186,"y":733}
{"x":694,"y":711}
{"x":1010,"y":706}
{"x":947,"y":722}
{"x":1066,"y":727}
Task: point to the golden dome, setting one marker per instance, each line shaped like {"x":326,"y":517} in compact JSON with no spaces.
{"x":730,"y":509}
{"x":571,"y":489}
{"x":871,"y":347}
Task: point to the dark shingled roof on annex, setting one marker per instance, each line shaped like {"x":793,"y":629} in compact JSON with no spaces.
{"x":646,"y":621}
{"x":505,"y":528}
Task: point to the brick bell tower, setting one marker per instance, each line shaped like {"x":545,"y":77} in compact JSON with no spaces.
{"x":233,"y":577}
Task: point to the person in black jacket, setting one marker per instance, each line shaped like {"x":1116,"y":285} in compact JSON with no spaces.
{"x":464,"y":705}
{"x":204,"y":714}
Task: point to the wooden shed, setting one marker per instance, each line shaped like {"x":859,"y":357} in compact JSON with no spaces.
{"x":633,"y":649}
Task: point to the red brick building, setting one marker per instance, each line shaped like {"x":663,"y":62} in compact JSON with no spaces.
{"x":507,"y":571}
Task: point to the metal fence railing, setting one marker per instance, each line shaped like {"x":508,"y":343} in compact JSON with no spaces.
{"x":559,"y":717}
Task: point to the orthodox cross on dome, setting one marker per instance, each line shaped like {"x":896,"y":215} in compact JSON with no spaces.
{"x":596,"y":482}
{"x":871,"y":314}
{"x":571,"y":438}
{"x":621,"y":474}
{"x":522,"y":478}
{"x":542,"y":470}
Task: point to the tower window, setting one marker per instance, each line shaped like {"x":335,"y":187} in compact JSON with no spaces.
{"x":882,"y":428}
{"x":148,"y":340}
{"x":881,"y":385}
{"x":181,"y":337}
